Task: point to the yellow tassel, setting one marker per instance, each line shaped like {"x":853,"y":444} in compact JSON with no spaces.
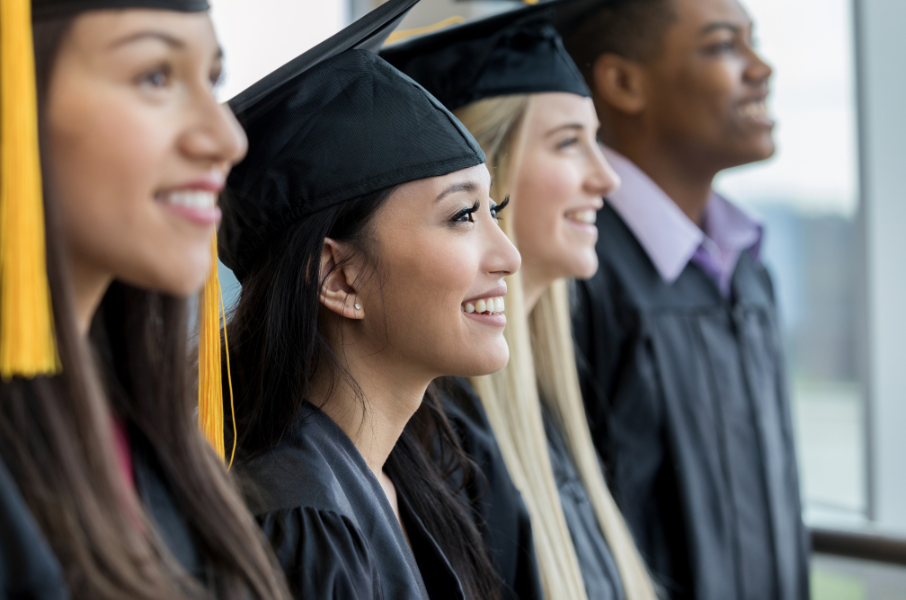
{"x":27,"y":345}
{"x":210,"y":383}
{"x":404,"y":34}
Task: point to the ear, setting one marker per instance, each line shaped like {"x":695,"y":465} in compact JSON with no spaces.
{"x":338,"y":291}
{"x":620,"y":83}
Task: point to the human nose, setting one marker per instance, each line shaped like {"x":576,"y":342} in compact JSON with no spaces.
{"x":502,"y":259}
{"x":215,"y":135}
{"x":602,"y":179}
{"x":758,"y":70}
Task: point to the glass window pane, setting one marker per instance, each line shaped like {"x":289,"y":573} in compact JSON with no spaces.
{"x":807,"y":196}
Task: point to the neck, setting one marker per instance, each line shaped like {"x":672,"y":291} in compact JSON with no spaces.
{"x":375,"y":419}
{"x":532,"y":288}
{"x":89,"y":286}
{"x":679,"y":173}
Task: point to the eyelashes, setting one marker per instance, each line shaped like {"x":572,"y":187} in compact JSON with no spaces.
{"x":498,"y":208}
{"x":465,"y":215}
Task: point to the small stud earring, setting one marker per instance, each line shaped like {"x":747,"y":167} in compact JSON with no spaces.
{"x":358,"y":306}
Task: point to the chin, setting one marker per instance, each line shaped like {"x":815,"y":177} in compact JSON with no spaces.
{"x":180,"y":285}
{"x":756,"y":150}
{"x":492,"y":361}
{"x":585,"y":268}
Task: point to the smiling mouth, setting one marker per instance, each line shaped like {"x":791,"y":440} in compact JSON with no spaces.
{"x":756,"y":110}
{"x":488,"y":306}
{"x":586,"y":217}
{"x":189,"y":198}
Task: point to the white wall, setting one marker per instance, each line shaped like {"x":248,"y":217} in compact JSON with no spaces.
{"x":260,"y":35}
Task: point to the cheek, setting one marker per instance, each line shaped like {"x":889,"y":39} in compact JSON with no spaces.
{"x":543,"y":192}
{"x":548,"y":244}
{"x":104,"y":181}
{"x":427,"y":280}
{"x":424,"y":285}
{"x":699,"y":99}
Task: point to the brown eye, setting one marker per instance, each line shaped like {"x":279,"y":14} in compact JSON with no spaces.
{"x":466,"y":215}
{"x":158,"y":78}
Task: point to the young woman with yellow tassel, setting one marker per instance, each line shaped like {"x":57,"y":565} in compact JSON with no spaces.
{"x":511,"y":83}
{"x":107,"y":488}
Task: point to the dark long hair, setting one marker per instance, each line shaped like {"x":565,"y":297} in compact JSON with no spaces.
{"x":277,"y":346}
{"x":56,"y":440}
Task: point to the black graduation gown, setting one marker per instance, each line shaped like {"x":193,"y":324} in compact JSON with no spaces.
{"x":500,"y":514}
{"x":28,"y":567}
{"x":331,"y":526}
{"x":156,"y":497}
{"x":689,"y":408}
{"x":599,"y":569}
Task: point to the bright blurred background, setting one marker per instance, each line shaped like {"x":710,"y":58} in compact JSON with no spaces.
{"x":831,"y":200}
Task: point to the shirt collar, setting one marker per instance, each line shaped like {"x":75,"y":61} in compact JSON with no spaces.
{"x":666,"y":234}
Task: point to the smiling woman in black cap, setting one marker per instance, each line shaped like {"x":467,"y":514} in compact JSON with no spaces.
{"x":107,"y":489}
{"x":510,"y":81}
{"x":360,"y":227}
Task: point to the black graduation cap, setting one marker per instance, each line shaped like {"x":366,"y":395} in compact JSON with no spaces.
{"x":55,"y":9}
{"x":333,"y":124}
{"x":516,"y":52}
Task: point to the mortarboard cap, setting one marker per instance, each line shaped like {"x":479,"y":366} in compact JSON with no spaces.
{"x":516,"y":52}
{"x":334,"y":124}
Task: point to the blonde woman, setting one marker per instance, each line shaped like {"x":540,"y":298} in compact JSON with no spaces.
{"x":510,"y":82}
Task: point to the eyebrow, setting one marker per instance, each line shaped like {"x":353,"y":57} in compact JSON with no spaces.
{"x":166,"y":38}
{"x":469,"y":186}
{"x":712,"y":27}
{"x":578,"y":126}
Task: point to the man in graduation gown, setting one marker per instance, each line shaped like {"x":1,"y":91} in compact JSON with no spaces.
{"x":679,"y":347}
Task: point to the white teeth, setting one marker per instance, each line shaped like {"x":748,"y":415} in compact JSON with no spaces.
{"x":485,"y":305}
{"x":755,"y":110}
{"x":584,"y":216}
{"x":191,"y":198}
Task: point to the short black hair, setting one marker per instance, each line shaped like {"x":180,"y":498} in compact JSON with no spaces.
{"x":633,"y":29}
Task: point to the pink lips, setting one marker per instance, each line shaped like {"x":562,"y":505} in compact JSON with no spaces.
{"x":199,"y":216}
{"x":497,"y":320}
{"x":204,"y":216}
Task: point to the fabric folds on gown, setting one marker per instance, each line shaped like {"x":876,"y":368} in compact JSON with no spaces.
{"x":596,"y":561}
{"x":28,"y":567}
{"x":501,"y":516}
{"x":331,"y":526}
{"x":688,"y":403}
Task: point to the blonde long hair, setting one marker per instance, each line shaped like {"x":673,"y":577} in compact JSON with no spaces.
{"x":542,"y":365}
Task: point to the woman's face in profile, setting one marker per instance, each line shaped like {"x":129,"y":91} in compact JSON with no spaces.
{"x":561,"y":180}
{"x":442,"y":261}
{"x":138,"y":146}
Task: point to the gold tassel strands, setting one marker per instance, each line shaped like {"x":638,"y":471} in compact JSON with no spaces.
{"x":27,"y":345}
{"x":210,"y":383}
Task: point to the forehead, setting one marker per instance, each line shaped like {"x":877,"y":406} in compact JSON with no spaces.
{"x":112,"y":30}
{"x":555,"y":109}
{"x":695,"y":15}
